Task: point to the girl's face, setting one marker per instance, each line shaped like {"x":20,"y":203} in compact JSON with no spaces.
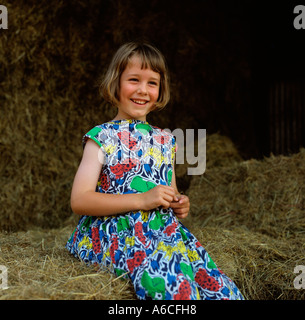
{"x":139,"y":91}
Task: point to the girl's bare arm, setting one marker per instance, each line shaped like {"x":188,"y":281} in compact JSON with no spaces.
{"x":182,"y":206}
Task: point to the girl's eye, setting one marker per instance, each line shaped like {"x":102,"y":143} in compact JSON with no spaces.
{"x":153,"y":83}
{"x":133,"y":79}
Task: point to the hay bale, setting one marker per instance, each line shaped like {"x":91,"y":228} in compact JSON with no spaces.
{"x":39,"y":267}
{"x":220,"y":152}
{"x":266,"y":196}
{"x":251,"y":218}
{"x":44,"y":112}
{"x":261,"y":266}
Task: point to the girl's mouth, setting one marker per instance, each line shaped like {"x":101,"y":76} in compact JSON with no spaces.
{"x":140,"y":102}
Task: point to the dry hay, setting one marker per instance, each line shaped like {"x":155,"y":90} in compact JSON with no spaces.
{"x":266,"y":196}
{"x":39,"y":267}
{"x":262,"y":267}
{"x":45,"y":97}
{"x":254,"y":213}
{"x":220,"y":151}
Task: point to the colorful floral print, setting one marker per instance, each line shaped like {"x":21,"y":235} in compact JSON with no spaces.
{"x":153,"y":248}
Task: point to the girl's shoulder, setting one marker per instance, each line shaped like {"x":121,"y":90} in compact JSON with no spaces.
{"x":109,"y":125}
{"x":98,"y":134}
{"x":114,"y":127}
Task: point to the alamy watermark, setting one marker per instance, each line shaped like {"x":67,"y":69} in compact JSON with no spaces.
{"x":190,"y":158}
{"x":299,"y":20}
{"x":157,"y":147}
{"x":3,"y":17}
{"x":299,"y":280}
{"x":3,"y":278}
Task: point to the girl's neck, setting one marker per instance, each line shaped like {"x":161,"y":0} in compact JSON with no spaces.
{"x":116,"y":118}
{"x":130,"y":119}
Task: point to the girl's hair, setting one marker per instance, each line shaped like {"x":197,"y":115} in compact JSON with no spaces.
{"x":151,"y":58}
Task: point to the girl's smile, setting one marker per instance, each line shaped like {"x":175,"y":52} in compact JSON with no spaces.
{"x":139,"y":101}
{"x":139,"y":91}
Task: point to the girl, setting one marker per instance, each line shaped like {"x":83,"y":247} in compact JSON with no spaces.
{"x":125,"y":191}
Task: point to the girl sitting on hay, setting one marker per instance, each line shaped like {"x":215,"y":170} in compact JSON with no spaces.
{"x":125,"y":191}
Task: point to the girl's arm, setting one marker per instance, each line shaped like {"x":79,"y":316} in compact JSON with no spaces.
{"x":182,"y":206}
{"x":173,"y":182}
{"x":86,"y":201}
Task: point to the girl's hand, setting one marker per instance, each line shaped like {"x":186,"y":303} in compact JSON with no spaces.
{"x":182,"y":206}
{"x":158,"y":196}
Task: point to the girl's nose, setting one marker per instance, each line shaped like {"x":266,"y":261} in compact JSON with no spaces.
{"x":142,"y":88}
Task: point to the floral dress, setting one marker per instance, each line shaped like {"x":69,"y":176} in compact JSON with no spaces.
{"x":158,"y":253}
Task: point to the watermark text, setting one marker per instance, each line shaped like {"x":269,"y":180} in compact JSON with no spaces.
{"x":3,"y":17}
{"x":299,"y":280}
{"x":157,"y":148}
{"x":3,"y":278}
{"x":299,"y":20}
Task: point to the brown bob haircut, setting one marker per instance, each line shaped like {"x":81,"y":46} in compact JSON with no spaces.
{"x":151,"y":58}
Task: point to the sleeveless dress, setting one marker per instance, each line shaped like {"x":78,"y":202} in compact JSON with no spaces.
{"x":153,"y":248}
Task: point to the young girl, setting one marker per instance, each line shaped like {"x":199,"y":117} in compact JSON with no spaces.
{"x":125,"y":191}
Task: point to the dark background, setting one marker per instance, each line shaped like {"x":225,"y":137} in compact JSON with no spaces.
{"x":226,"y":58}
{"x":278,"y":79}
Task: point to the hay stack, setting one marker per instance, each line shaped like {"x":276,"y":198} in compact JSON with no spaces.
{"x":39,"y":267}
{"x":265,"y":196}
{"x":220,"y":151}
{"x":47,"y":86}
{"x":251,"y":218}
